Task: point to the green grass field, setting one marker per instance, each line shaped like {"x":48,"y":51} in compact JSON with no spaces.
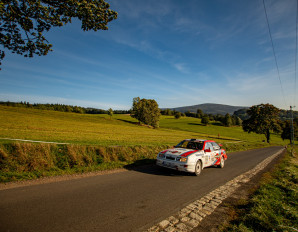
{"x":86,"y":129}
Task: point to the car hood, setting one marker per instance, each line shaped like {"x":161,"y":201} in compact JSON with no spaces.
{"x":179,"y":152}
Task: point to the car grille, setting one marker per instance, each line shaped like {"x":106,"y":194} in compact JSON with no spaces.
{"x":170,"y":158}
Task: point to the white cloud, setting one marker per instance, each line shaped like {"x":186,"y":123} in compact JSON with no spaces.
{"x":181,"y":67}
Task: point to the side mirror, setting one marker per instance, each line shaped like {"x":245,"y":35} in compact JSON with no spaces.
{"x":220,"y":144}
{"x":207,"y":150}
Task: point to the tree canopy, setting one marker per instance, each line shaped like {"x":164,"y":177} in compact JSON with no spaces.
{"x":177,"y":115}
{"x":205,"y":120}
{"x":110,"y":113}
{"x":146,"y":111}
{"x":263,"y":119}
{"x":227,"y":121}
{"x":23,"y":23}
{"x":287,"y":131}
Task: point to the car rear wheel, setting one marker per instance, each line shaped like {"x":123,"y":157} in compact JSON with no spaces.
{"x":222,"y":162}
{"x":198,"y":169}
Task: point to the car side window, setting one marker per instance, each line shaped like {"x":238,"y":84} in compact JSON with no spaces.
{"x":199,"y":145}
{"x":215,"y":146}
{"x":209,"y":146}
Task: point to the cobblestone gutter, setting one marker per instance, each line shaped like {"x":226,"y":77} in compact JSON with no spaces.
{"x":191,"y":216}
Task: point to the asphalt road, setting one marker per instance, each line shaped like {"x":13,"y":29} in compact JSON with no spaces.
{"x":126,"y":201}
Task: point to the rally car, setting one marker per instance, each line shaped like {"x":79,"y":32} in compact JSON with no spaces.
{"x":192,"y":155}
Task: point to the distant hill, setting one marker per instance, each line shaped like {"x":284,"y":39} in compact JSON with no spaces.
{"x":210,"y":108}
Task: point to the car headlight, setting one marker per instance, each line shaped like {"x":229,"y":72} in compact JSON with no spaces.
{"x":160,"y":155}
{"x":183,"y":159}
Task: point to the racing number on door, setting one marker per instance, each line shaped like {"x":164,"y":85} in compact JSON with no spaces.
{"x":209,"y":154}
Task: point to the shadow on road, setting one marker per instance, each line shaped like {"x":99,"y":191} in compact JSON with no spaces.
{"x":148,"y":166}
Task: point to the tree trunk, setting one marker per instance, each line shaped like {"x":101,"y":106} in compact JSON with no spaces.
{"x":268,"y":136}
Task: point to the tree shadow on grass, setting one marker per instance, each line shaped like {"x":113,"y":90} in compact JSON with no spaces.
{"x":127,"y":121}
{"x":211,"y":123}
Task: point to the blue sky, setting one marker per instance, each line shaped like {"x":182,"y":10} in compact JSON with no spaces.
{"x":177,"y":52}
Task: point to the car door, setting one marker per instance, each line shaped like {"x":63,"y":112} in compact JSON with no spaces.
{"x":208,"y":156}
{"x":216,"y":148}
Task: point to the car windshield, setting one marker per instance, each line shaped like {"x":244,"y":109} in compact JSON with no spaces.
{"x":195,"y":145}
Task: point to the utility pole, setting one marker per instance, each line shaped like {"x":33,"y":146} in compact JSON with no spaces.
{"x":292,"y":125}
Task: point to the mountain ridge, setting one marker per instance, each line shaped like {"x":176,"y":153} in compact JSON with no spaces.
{"x":210,"y":108}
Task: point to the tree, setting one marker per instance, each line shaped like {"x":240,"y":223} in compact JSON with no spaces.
{"x":238,"y":121}
{"x":263,"y":119}
{"x":167,"y":112}
{"x":110,"y":113}
{"x":146,"y":111}
{"x":227,"y":121}
{"x":200,"y":113}
{"x":23,"y":23}
{"x":205,"y":120}
{"x":286,"y":130}
{"x":177,"y":115}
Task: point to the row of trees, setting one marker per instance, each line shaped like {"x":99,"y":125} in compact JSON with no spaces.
{"x":260,"y":119}
{"x":62,"y":108}
{"x":226,"y":120}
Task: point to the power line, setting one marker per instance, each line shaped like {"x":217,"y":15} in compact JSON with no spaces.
{"x":296,"y":55}
{"x":274,"y":53}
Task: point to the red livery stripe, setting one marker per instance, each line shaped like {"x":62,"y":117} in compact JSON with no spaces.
{"x":188,"y":153}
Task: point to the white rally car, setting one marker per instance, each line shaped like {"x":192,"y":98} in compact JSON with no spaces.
{"x":192,"y":155}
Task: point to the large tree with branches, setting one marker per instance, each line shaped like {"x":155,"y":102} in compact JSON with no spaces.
{"x":263,"y":119}
{"x":146,"y":111}
{"x":23,"y":22}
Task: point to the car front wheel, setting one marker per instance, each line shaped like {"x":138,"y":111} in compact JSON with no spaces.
{"x":222,"y":162}
{"x":198,"y":169}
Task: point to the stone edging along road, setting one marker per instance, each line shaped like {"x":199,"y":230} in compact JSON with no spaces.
{"x":190,"y":217}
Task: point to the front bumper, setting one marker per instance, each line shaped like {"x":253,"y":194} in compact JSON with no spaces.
{"x":176,"y":165}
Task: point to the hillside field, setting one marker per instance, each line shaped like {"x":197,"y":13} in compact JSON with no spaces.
{"x":87,"y":129}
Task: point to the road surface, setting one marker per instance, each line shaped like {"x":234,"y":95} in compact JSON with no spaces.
{"x":125,"y":201}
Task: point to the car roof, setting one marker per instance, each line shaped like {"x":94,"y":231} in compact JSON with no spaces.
{"x":199,"y":140}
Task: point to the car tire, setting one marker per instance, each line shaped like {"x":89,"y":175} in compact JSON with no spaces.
{"x":198,"y":168}
{"x":222,"y":162}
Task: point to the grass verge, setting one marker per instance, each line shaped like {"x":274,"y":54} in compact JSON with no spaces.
{"x":274,"y":205}
{"x":21,"y":161}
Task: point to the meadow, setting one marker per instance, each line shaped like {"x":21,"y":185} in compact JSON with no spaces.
{"x":100,"y":129}
{"x":98,"y":142}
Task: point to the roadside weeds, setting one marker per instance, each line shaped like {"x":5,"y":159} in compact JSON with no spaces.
{"x":253,"y":208}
